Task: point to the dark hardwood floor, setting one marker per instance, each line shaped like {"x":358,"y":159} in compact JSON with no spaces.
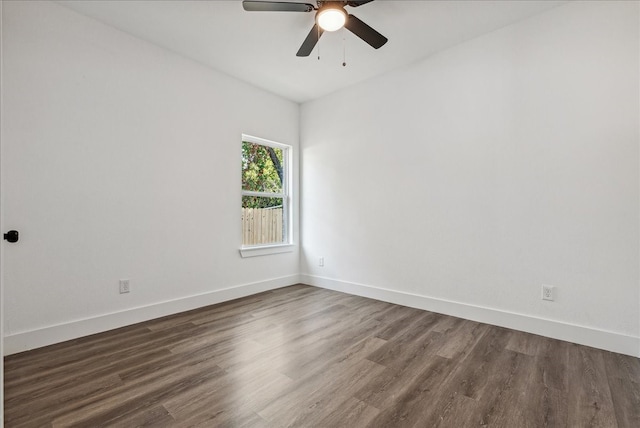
{"x":308,"y":357}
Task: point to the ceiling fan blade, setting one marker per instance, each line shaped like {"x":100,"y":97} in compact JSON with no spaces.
{"x":276,"y":6}
{"x":356,"y":3}
{"x":365,"y":32}
{"x":311,"y":40}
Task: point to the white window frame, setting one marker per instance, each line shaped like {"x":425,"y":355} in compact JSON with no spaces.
{"x":286,"y":245}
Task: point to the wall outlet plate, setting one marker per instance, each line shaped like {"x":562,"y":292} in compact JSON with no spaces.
{"x":124,"y":286}
{"x":548,"y":292}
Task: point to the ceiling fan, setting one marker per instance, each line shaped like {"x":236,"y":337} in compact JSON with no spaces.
{"x":330,"y":16}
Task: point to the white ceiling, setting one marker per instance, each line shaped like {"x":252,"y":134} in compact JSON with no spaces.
{"x":260,"y":47}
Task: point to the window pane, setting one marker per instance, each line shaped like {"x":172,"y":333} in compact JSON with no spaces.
{"x":262,"y":220}
{"x":262,"y":168}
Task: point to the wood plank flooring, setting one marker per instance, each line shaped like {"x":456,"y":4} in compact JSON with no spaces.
{"x":307,"y":357}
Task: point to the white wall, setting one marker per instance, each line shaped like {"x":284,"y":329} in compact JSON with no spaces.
{"x":1,"y":228}
{"x":121,"y":160}
{"x":459,"y":184}
{"x":466,"y":181}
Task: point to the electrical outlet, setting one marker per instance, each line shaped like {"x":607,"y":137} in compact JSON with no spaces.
{"x":321,"y":262}
{"x":548,"y":292}
{"x":124,"y":286}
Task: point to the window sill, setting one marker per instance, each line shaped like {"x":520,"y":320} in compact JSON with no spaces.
{"x":266,"y":250}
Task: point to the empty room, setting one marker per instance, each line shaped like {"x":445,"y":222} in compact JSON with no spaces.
{"x":311,"y":213}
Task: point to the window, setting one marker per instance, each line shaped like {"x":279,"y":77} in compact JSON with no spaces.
{"x":266,"y":201}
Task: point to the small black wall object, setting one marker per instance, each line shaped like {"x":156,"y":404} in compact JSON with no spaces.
{"x":11,"y":236}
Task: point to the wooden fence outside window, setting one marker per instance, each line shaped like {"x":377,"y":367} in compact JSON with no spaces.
{"x":261,"y":226}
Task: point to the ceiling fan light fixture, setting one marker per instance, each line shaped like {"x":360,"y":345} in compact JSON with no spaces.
{"x":332,"y":18}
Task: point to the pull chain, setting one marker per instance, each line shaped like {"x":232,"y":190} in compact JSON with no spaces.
{"x":344,"y":49}
{"x":318,"y":42}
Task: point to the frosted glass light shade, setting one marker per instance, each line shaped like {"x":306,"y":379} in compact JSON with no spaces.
{"x":332,"y":19}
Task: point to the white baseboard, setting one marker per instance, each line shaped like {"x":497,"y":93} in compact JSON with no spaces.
{"x":601,"y":339}
{"x":610,"y":341}
{"x":25,"y":341}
